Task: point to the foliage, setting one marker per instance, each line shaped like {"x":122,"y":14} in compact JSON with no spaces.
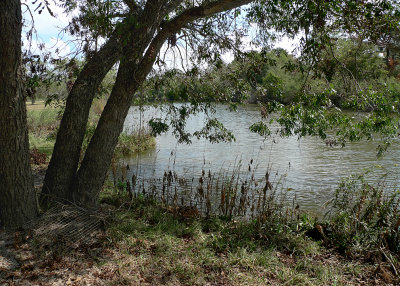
{"x":200,"y":250}
{"x":365,"y":218}
{"x":138,"y":141}
{"x":250,"y":77}
{"x":350,"y":75}
{"x":128,"y":144}
{"x":43,"y":145}
{"x":60,"y":78}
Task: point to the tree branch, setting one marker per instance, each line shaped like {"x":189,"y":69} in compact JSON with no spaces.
{"x":189,"y":15}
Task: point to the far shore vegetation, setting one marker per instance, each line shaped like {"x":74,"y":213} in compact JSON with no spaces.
{"x":43,"y":122}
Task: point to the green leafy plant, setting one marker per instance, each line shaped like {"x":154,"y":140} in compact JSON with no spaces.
{"x":365,"y":218}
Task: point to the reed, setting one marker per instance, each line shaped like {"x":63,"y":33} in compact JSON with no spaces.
{"x":364,"y":219}
{"x":235,"y":193}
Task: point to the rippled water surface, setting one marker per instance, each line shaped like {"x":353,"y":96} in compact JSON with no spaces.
{"x":308,"y":167}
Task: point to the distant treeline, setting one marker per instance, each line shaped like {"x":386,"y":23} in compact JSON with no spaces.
{"x":345,"y":68}
{"x":275,"y":75}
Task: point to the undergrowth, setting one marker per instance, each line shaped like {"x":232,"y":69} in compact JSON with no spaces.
{"x":167,"y":247}
{"x":147,"y":242}
{"x":364,"y":221}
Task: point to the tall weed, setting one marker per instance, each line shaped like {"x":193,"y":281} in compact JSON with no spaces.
{"x":364,"y":218}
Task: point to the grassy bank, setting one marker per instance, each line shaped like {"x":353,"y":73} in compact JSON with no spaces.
{"x":147,"y":243}
{"x":155,"y":245}
{"x":358,"y":243}
{"x":43,"y":122}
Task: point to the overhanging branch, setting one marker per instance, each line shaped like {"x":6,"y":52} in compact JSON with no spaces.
{"x":189,"y":15}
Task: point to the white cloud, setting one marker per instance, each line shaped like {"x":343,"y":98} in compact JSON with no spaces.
{"x":46,"y":25}
{"x":47,"y":29}
{"x":287,"y":43}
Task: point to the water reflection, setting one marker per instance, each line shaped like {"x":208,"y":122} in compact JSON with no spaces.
{"x":310,"y":168}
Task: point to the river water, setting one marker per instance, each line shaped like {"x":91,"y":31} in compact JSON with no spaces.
{"x":306,"y":168}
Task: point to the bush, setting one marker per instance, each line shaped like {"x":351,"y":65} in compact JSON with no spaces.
{"x":365,"y":218}
{"x":128,"y":144}
{"x":137,"y":141}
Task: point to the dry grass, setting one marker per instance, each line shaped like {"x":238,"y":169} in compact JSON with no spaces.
{"x":39,"y":105}
{"x":146,"y":244}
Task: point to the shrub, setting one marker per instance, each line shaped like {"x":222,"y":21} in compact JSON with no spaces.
{"x":365,"y":218}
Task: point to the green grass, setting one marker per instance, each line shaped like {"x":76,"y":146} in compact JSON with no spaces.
{"x":152,"y":245}
{"x":129,"y":144}
{"x":147,"y":243}
{"x":39,"y":105}
{"x":42,"y":144}
{"x":43,"y":123}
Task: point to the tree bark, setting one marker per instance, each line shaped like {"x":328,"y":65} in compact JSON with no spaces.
{"x":94,"y":167}
{"x":67,"y":149}
{"x":133,"y":70}
{"x":93,"y":170}
{"x":17,"y":196}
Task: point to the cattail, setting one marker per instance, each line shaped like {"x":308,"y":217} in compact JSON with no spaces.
{"x":123,"y":173}
{"x":133,"y":182}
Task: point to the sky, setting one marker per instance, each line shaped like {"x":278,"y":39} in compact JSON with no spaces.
{"x":47,"y":28}
{"x":48,"y":32}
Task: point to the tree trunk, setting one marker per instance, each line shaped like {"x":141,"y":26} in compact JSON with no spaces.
{"x":93,"y":171}
{"x":18,"y":202}
{"x":65,"y":159}
{"x":133,"y":70}
{"x":95,"y":164}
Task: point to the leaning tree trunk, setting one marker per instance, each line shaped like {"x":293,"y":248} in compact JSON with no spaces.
{"x":17,"y":196}
{"x":94,"y":166}
{"x":65,"y":159}
{"x":60,"y":176}
{"x":133,"y":70}
{"x":93,"y":170}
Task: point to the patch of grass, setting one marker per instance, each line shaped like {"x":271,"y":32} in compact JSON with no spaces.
{"x":137,"y":141}
{"x":128,"y":144}
{"x":44,"y":145}
{"x":156,"y":246}
{"x":43,"y":122}
{"x":39,"y":105}
{"x":42,"y":126}
{"x":146,"y":243}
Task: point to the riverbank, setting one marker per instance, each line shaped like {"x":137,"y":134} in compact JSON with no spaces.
{"x":43,"y":122}
{"x":147,"y":242}
{"x":143,"y":242}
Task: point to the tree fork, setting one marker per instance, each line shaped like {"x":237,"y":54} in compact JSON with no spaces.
{"x":93,"y":170}
{"x":64,"y":162}
{"x":67,"y":149}
{"x":131,"y":74}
